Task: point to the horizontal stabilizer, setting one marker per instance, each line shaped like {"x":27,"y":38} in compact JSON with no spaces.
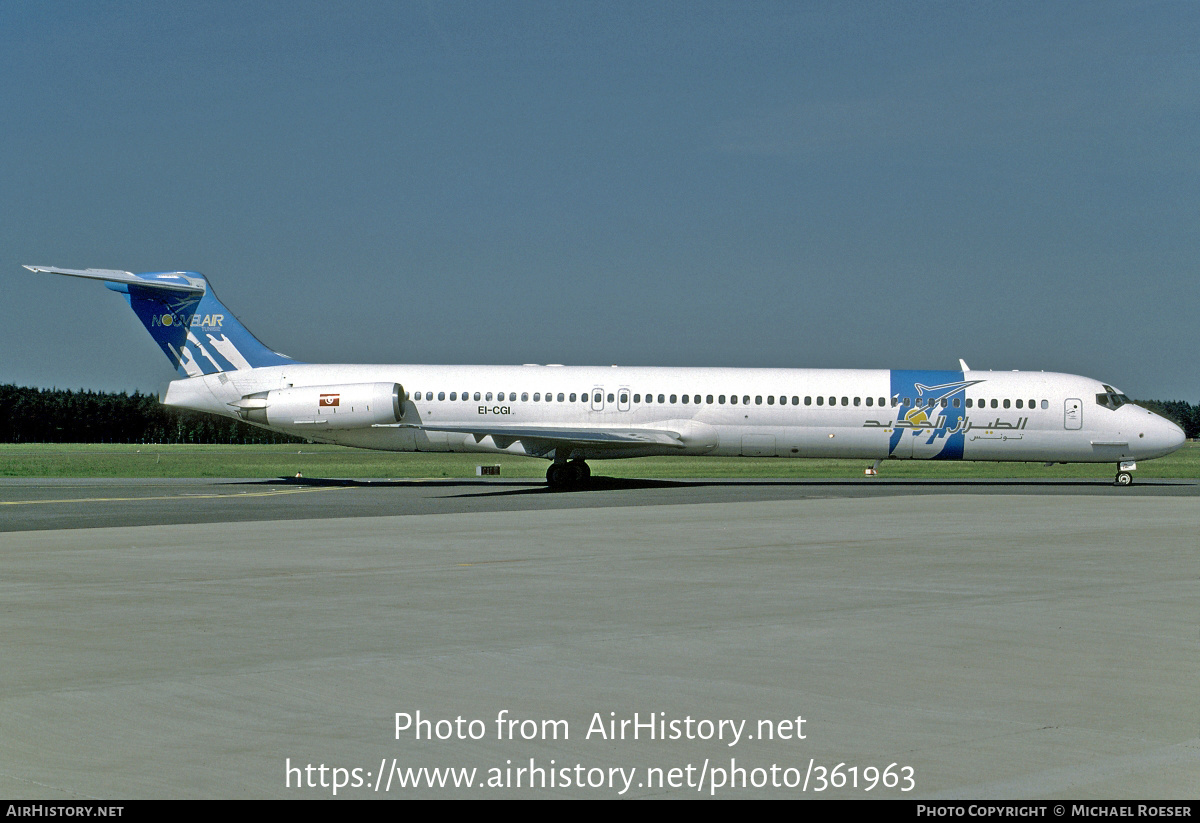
{"x":160,"y":281}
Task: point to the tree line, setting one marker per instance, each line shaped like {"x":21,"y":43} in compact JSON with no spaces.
{"x":61,"y":416}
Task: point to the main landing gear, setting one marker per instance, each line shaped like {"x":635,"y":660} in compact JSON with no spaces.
{"x":564,"y":475}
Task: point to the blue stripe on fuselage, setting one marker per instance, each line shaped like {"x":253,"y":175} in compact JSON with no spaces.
{"x":934,"y":432}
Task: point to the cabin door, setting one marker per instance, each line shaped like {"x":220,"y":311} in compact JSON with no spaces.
{"x":1073,"y":413}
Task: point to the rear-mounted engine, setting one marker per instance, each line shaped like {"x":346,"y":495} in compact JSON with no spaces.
{"x":348,"y":406}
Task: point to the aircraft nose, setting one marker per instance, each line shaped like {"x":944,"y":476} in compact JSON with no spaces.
{"x":1164,"y":437}
{"x":1175,"y":436}
{"x":1156,"y":436}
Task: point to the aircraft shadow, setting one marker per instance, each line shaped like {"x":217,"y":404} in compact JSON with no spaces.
{"x":532,"y":486}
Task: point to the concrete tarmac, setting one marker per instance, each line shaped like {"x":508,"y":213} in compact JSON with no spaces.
{"x":957,"y":640}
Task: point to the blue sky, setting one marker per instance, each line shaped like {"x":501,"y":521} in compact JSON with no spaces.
{"x":737,"y":184}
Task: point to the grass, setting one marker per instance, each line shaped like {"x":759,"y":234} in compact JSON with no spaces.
{"x":150,"y":461}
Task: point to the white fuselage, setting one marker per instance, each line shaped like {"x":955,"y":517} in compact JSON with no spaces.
{"x":871,"y":414}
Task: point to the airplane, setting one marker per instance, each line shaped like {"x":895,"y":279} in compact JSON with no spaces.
{"x":571,"y":414}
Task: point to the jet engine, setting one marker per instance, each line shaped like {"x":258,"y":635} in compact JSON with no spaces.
{"x":345,"y":406}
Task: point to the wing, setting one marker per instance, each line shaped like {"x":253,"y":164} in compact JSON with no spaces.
{"x":540,"y":439}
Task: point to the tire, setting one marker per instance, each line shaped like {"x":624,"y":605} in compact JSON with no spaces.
{"x":558,"y":476}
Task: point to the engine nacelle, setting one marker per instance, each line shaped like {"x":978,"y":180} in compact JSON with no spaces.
{"x":345,"y":406}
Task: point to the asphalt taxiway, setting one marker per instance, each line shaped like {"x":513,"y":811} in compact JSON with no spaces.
{"x":90,"y":503}
{"x":231,"y":638}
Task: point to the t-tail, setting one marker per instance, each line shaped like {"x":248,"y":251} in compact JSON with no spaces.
{"x":183,"y":315}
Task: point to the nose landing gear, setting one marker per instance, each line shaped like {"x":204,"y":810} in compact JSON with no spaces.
{"x":563,"y":475}
{"x":1125,"y":473}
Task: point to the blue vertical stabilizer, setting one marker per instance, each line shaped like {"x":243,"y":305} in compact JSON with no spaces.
{"x":183,"y":315}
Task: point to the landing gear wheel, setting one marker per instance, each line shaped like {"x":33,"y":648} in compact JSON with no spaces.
{"x":558,"y":476}
{"x":583,"y":471}
{"x":568,"y":475}
{"x":1123,"y":479}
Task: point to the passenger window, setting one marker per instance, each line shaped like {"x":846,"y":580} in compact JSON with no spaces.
{"x":820,"y":400}
{"x":957,"y":402}
{"x":441,"y":395}
{"x":857,"y":401}
{"x":560,"y":397}
{"x":696,"y":399}
{"x":1006,"y":403}
{"x":685,"y":399}
{"x":1020,"y":403}
{"x":1045,"y":404}
{"x":745,"y":400}
{"x":610,"y":397}
{"x":845,"y":401}
{"x":808,"y":399}
{"x":537,"y":397}
{"x":870,"y":401}
{"x":662,"y":398}
{"x":770,"y":400}
{"x":758,"y":399}
{"x":708,"y":399}
{"x":721,"y":399}
{"x":733,"y":399}
{"x":637,"y":398}
{"x":994,"y":403}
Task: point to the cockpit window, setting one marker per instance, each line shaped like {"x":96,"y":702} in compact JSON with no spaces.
{"x":1112,"y":400}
